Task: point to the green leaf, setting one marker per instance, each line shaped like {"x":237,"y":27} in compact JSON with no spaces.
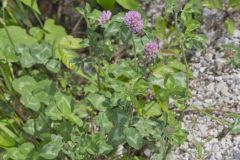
{"x":180,"y":105}
{"x":22,"y":152}
{"x":213,"y":4}
{"x":170,"y":6}
{"x":106,"y":4}
{"x":229,"y":25}
{"x":236,"y":127}
{"x":65,"y":129}
{"x":75,"y":119}
{"x":129,"y":4}
{"x":119,"y":17}
{"x":125,"y":34}
{"x":97,"y":101}
{"x":32,"y":4}
{"x":29,"y":127}
{"x":51,"y":149}
{"x":176,"y":64}
{"x":44,"y":91}
{"x":160,"y":71}
{"x":111,"y":29}
{"x":104,"y":148}
{"x":18,"y":36}
{"x":169,"y":82}
{"x":69,"y":42}
{"x":116,"y":136}
{"x":62,"y":108}
{"x":36,"y":33}
{"x":53,"y":65}
{"x":192,"y":25}
{"x":53,"y":112}
{"x":7,"y":131}
{"x":234,"y":4}
{"x":152,"y":109}
{"x":24,"y":86}
{"x":133,"y":137}
{"x":41,"y":53}
{"x":68,"y":57}
{"x":103,"y":122}
{"x":118,"y":117}
{"x":26,"y":59}
{"x":63,"y":103}
{"x":145,"y":126}
{"x":93,"y":17}
{"x":178,"y":136}
{"x":160,"y":27}
{"x":6,"y":140}
{"x":54,"y":32}
{"x":40,"y":122}
{"x":159,"y":156}
{"x":81,"y":109}
{"x":7,"y":54}
{"x":30,"y":101}
{"x":140,"y":42}
{"x":34,"y":126}
{"x":26,"y":148}
{"x":24,"y":83}
{"x":193,"y":7}
{"x":123,"y":71}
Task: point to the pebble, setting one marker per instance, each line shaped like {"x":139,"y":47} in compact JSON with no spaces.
{"x":219,"y":91}
{"x":147,"y":152}
{"x":215,"y":84}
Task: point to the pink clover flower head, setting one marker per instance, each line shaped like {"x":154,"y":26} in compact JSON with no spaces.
{"x":151,"y":49}
{"x":134,"y":21}
{"x":105,"y":17}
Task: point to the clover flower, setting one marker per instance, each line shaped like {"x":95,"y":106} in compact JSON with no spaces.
{"x":134,"y":21}
{"x":105,"y":17}
{"x":151,"y":49}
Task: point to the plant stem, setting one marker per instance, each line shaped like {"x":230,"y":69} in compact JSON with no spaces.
{"x":211,"y":116}
{"x":187,"y":78}
{"x":215,"y":111}
{"x":10,"y":39}
{"x":135,"y":52}
{"x":23,"y":10}
{"x":8,"y":131}
{"x":98,"y":73}
{"x":7,"y":75}
{"x":182,"y":49}
{"x":38,"y":18}
{"x":85,"y":76}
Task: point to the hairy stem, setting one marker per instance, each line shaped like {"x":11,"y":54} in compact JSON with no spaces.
{"x":211,"y":116}
{"x":135,"y":52}
{"x":7,"y":75}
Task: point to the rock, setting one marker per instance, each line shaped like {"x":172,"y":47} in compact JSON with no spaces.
{"x":223,"y":88}
{"x":202,"y":69}
{"x":208,"y":101}
{"x":236,"y":33}
{"x":121,"y":150}
{"x":147,"y":152}
{"x":236,"y":155}
{"x":211,"y":87}
{"x":195,"y":74}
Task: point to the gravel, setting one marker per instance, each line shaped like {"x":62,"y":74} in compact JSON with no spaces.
{"x":214,"y":85}
{"x":218,"y":88}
